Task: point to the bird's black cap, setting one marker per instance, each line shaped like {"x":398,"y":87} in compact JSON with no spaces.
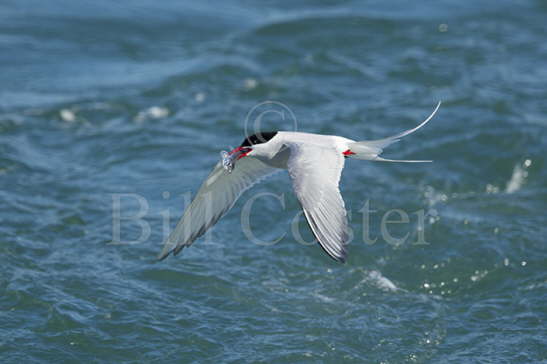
{"x":258,"y":138}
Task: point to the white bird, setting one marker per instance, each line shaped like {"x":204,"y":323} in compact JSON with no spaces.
{"x":314,"y":163}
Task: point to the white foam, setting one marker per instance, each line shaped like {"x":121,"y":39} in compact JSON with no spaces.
{"x":377,"y":279}
{"x":154,"y":112}
{"x":519,"y":176}
{"x":67,"y":115}
{"x":199,"y":97}
{"x":250,"y":83}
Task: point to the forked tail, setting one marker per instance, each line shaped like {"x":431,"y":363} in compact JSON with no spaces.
{"x":371,"y":149}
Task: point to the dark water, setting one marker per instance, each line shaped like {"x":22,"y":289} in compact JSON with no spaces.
{"x":98,"y":99}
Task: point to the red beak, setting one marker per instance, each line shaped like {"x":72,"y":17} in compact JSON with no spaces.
{"x":241,"y":152}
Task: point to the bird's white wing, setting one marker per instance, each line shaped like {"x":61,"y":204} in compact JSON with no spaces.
{"x":216,"y":196}
{"x":315,"y":173}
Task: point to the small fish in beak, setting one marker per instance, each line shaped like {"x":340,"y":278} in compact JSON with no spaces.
{"x":229,"y":159}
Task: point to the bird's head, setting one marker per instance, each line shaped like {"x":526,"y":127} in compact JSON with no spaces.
{"x":251,"y":144}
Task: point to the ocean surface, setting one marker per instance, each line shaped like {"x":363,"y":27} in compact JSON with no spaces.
{"x":111,"y":114}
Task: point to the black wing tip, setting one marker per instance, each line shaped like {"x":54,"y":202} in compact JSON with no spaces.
{"x":174,"y":251}
{"x":162,"y":257}
{"x":341,"y":258}
{"x":338,"y":258}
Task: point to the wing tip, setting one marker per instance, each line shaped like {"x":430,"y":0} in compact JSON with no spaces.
{"x":342,"y":258}
{"x":166,"y":252}
{"x":339,"y":257}
{"x":162,"y":256}
{"x":344,"y":254}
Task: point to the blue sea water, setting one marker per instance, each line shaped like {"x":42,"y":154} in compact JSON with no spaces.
{"x":105,"y":102}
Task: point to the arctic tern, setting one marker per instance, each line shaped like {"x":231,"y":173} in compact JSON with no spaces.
{"x":314,"y":163}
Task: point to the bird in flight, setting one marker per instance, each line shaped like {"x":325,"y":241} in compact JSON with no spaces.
{"x":314,"y":163}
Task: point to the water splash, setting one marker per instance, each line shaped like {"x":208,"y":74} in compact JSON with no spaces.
{"x":67,"y":115}
{"x":377,"y":279}
{"x":152,"y":113}
{"x":432,"y":198}
{"x":519,"y":176}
